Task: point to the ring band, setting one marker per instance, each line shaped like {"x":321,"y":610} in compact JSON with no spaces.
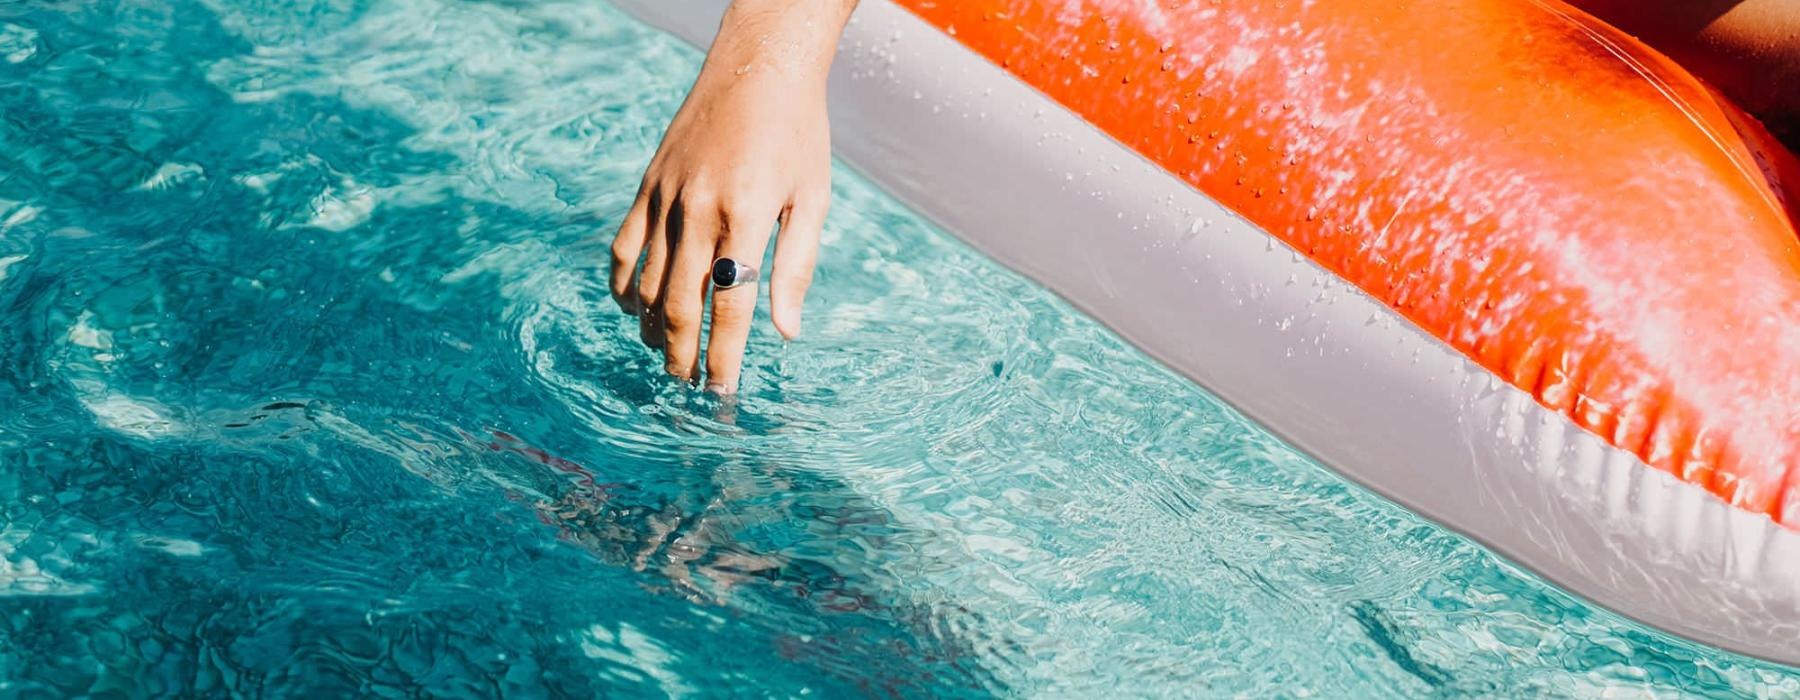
{"x":728,"y":273}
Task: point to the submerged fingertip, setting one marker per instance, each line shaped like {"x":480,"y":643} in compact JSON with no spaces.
{"x":676,"y":370}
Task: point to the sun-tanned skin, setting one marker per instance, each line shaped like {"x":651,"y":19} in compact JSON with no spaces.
{"x":751,"y":147}
{"x":1749,"y":49}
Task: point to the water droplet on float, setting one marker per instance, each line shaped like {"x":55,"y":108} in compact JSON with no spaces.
{"x":1194,"y":229}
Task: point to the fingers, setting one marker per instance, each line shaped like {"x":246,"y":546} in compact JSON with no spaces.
{"x":796,"y":252}
{"x":627,"y":249}
{"x":679,"y":235}
{"x":744,"y":240}
{"x":650,"y":279}
{"x":693,"y":228}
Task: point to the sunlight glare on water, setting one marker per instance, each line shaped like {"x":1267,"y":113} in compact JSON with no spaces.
{"x":310,"y":385}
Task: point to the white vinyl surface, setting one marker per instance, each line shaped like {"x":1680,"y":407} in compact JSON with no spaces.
{"x":1330,"y":369}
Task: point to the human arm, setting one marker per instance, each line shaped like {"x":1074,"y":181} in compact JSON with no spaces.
{"x":1749,"y":49}
{"x":749,"y":148}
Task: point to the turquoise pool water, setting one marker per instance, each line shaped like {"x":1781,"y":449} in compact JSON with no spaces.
{"x":309,"y":384}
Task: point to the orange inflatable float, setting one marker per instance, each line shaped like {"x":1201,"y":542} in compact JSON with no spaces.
{"x":1418,"y":150}
{"x":1492,"y":258}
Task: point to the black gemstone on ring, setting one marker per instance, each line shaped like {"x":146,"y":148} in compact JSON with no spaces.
{"x":724,"y":272}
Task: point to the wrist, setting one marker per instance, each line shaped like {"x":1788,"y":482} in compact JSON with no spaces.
{"x":791,"y":39}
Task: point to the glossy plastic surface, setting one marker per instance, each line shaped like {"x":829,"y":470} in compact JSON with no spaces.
{"x":1540,"y":191}
{"x":1335,"y":371}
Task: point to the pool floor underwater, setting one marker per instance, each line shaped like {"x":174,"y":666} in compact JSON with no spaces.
{"x":309,"y":383}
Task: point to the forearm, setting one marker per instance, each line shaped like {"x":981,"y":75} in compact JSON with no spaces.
{"x":792,"y":38}
{"x":1750,"y":49}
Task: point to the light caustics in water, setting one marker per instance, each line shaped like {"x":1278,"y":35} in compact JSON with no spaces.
{"x":311,"y":384}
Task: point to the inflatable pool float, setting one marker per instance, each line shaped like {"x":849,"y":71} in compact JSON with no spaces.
{"x":1491,"y":258}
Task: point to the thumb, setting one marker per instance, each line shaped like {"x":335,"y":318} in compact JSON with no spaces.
{"x":796,"y":252}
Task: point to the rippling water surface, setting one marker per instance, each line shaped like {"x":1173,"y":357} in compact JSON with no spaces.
{"x":309,"y":384}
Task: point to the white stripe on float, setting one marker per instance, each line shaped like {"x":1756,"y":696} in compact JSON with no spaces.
{"x":1328,"y":368}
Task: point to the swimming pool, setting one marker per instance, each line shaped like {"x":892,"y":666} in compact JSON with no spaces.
{"x":311,"y":383}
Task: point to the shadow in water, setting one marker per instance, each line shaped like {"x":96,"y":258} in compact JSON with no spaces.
{"x":272,"y":427}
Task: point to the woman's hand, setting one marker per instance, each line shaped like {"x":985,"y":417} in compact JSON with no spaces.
{"x":749,"y":149}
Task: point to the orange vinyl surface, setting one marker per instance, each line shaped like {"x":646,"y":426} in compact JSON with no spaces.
{"x":1542,"y":192}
